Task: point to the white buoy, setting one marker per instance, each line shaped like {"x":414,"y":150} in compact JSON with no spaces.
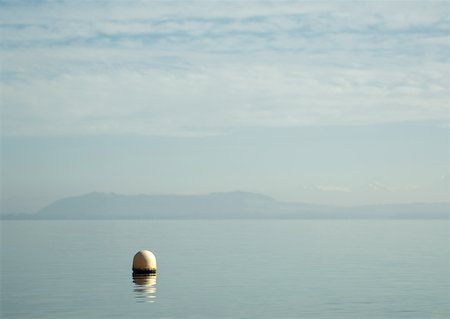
{"x":144,"y":262}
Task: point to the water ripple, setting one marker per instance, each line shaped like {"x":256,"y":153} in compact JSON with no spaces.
{"x":145,"y":287}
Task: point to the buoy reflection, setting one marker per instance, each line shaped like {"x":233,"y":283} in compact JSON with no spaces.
{"x":144,"y":287}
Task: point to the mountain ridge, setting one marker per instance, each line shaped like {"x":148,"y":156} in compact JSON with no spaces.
{"x":221,"y":205}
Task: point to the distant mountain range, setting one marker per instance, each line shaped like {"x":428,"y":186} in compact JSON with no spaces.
{"x":231,"y":205}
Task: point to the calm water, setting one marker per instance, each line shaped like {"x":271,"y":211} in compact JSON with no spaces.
{"x":226,"y":269}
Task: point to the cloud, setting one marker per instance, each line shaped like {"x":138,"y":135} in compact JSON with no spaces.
{"x":328,"y":188}
{"x":380,"y":186}
{"x":190,"y":68}
{"x":331,"y":188}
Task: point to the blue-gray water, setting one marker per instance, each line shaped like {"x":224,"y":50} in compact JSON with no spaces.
{"x":226,"y":269}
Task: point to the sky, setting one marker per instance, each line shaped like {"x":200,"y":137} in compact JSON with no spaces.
{"x":342,"y":103}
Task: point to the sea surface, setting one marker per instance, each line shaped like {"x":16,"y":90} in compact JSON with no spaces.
{"x":227,"y":269}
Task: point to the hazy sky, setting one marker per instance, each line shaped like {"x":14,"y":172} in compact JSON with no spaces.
{"x":327,"y":102}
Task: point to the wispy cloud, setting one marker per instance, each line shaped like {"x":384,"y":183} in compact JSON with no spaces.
{"x":195,"y":68}
{"x":328,"y":188}
{"x":380,"y":186}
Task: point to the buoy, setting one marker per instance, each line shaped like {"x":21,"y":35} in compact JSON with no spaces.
{"x":144,"y":262}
